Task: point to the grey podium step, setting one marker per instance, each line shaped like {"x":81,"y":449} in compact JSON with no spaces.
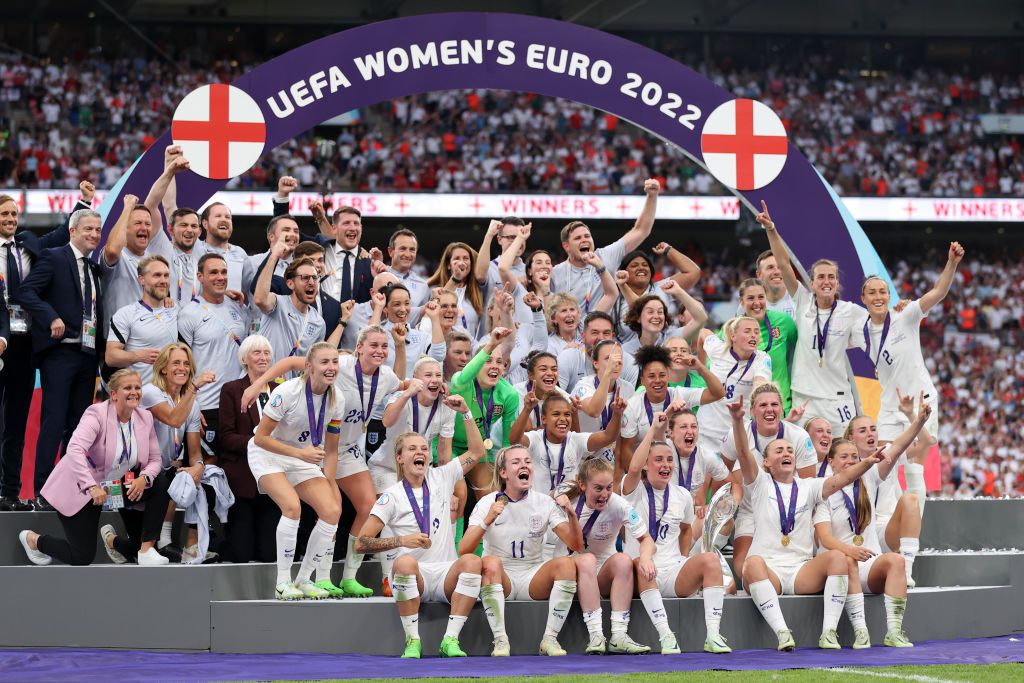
{"x":973,"y":524}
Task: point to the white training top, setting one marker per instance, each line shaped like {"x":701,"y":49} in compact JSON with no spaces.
{"x":636,"y":421}
{"x":394,"y":509}
{"x":803,"y":449}
{"x":669,"y":521}
{"x":359,"y":408}
{"x":584,"y":283}
{"x":706,"y":464}
{"x":286,"y":324}
{"x":829,"y":380}
{"x":214,"y":331}
{"x":835,"y":511}
{"x":547,"y":456}
{"x":442,"y":424}
{"x":287,"y":405}
{"x":137,"y":327}
{"x":899,"y":362}
{"x":517,"y":535}
{"x":574,"y":364}
{"x":768,"y":527}
{"x":586,"y":388}
{"x":738,"y":380}
{"x":599,"y":539}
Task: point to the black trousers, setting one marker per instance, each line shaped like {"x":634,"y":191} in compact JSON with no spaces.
{"x":78,"y":547}
{"x":251,"y":528}
{"x":17,"y":381}
{"x":68,"y":378}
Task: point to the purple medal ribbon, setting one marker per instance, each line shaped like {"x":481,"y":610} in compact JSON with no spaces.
{"x":422,"y":516}
{"x":768,"y":324}
{"x":685,"y":483}
{"x":687,"y":381}
{"x":753,"y":431}
{"x":373,"y":390}
{"x":653,"y":523}
{"x":881,"y":341}
{"x":555,"y":479}
{"x":590,"y":522}
{"x":745,"y":368}
{"x":606,"y":412}
{"x":822,"y":334}
{"x":787,"y":521}
{"x":416,"y":416}
{"x":821,"y":468}
{"x":486,"y":415}
{"x":851,"y":509}
{"x":650,"y":408}
{"x":316,"y":425}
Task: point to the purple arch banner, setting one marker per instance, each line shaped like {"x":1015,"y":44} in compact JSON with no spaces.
{"x":369,"y":64}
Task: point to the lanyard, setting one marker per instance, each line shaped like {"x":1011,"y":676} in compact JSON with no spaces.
{"x":234,"y":337}
{"x":787,"y":521}
{"x":416,"y":416}
{"x":606,"y":411}
{"x":126,"y":443}
{"x":590,"y":522}
{"x":822,"y":334}
{"x":302,"y":330}
{"x":367,"y":409}
{"x":745,"y":368}
{"x":556,"y":479}
{"x":851,"y":509}
{"x":422,"y":516}
{"x":460,"y":292}
{"x":753,"y":431}
{"x":181,"y":280}
{"x":881,"y":341}
{"x":316,"y":424}
{"x":653,"y":523}
{"x":689,"y":471}
{"x":488,"y":415}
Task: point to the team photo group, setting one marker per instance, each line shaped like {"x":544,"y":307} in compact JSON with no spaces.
{"x":522,"y":424}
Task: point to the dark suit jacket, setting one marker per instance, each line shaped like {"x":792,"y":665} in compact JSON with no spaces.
{"x":52,"y":290}
{"x":5,"y":318}
{"x":58,"y":237}
{"x":235,"y":428}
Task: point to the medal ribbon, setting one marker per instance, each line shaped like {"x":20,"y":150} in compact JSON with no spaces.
{"x":753,"y":431}
{"x":822,"y":334}
{"x":555,"y":479}
{"x":786,"y":521}
{"x":851,"y":509}
{"x":422,"y":516}
{"x":486,"y":415}
{"x":750,"y":362}
{"x":367,"y":409}
{"x":821,"y":468}
{"x":590,"y":522}
{"x":654,"y":523}
{"x":881,"y":341}
{"x":689,"y":471}
{"x":650,"y":408}
{"x":771,"y":330}
{"x":316,"y":425}
{"x":606,"y":412}
{"x":416,"y":416}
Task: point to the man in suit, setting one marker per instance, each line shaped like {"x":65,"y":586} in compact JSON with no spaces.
{"x":64,"y":298}
{"x":18,"y":254}
{"x":349,"y":275}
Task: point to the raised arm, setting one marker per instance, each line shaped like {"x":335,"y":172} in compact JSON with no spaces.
{"x":475,"y":450}
{"x":609,"y":290}
{"x":851,"y":474}
{"x":779,"y":250}
{"x":748,"y":464}
{"x":174,"y":163}
{"x":639,"y":459}
{"x":265,"y":299}
{"x":521,"y":425}
{"x":593,"y":405}
{"x":699,"y":316}
{"x":945,"y":281}
{"x":118,"y":234}
{"x":641,"y":230}
{"x":539,"y":329}
{"x":508,"y":257}
{"x":484,"y":257}
{"x":687,"y":272}
{"x":607,"y":436}
{"x":278,"y":369}
{"x":902,"y":442}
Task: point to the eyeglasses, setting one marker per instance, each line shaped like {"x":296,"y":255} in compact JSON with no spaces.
{"x":305,"y":278}
{"x":506,"y":237}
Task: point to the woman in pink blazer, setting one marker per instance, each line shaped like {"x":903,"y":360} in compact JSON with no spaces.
{"x":114,"y":437}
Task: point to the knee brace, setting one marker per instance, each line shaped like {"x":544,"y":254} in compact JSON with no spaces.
{"x":468,"y":585}
{"x":405,"y":587}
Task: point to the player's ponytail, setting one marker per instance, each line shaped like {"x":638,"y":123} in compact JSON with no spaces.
{"x":863,"y":501}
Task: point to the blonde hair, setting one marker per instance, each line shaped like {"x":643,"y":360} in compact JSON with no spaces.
{"x":497,"y":483}
{"x":589,"y":468}
{"x":848,"y":432}
{"x":119,"y":378}
{"x":399,"y":445}
{"x":331,"y":389}
{"x":765,"y":388}
{"x":164,"y":359}
{"x":730,"y":327}
{"x":367,"y":331}
{"x":554,"y":302}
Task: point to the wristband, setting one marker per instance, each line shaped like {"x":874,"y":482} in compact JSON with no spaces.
{"x":484,"y":526}
{"x":601,"y":270}
{"x":468,"y":417}
{"x":668,"y":249}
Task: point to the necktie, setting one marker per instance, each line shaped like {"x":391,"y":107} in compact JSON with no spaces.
{"x":86,"y":291}
{"x":13,"y":276}
{"x":346,"y":277}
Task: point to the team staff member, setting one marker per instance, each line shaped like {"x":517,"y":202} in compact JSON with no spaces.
{"x":18,"y":254}
{"x":575,"y":363}
{"x":291,"y":323}
{"x":214,"y":326}
{"x":142,"y":328}
{"x":778,"y":334}
{"x":64,"y":298}
{"x":598,"y":392}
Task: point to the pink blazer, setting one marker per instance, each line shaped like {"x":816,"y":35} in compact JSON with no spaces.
{"x":93,"y":448}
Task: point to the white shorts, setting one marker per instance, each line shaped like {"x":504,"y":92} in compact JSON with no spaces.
{"x":893,"y":423}
{"x":787,"y":575}
{"x":433,"y":575}
{"x":667,"y":578}
{"x":880,"y":525}
{"x":864,"y":568}
{"x":520,"y":580}
{"x":744,"y":523}
{"x":350,"y":461}
{"x":838,"y":411}
{"x":262,"y":463}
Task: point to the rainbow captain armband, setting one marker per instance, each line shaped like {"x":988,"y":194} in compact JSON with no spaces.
{"x":334,"y":427}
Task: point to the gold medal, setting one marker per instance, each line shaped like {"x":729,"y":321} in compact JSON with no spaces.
{"x":858,"y":540}
{"x":821,"y":362}
{"x":364,"y":427}
{"x":785,"y":540}
{"x":488,"y":444}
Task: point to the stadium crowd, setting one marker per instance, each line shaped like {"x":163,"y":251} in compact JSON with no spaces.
{"x":887,"y":134}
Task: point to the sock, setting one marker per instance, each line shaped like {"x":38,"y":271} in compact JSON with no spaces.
{"x":558,"y":606}
{"x":767,"y":600}
{"x":908,"y":549}
{"x":835,"y":599}
{"x":714,"y":599}
{"x":593,"y":622}
{"x":620,"y":622}
{"x":914,"y":473}
{"x":855,"y":610}
{"x":411,"y":626}
{"x":655,"y":606}
{"x":323,"y":568}
{"x":353,"y":560}
{"x":165,"y":535}
{"x":493,"y":597}
{"x":894,"y":609}
{"x":320,"y":538}
{"x":455,"y":624}
{"x":287,"y":532}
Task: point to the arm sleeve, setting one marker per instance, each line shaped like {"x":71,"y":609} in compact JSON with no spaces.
{"x":634,"y":525}
{"x":193,"y":424}
{"x":150,"y":396}
{"x":233,"y":442}
{"x":29,"y":293}
{"x":611,"y":255}
{"x":483,"y":506}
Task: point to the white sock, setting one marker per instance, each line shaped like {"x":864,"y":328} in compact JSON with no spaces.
{"x":323,"y":568}
{"x":287,"y":532}
{"x":320,"y":539}
{"x":767,"y":600}
{"x":411,"y":626}
{"x":353,"y":560}
{"x":835,"y":598}
{"x":455,"y":624}
{"x":655,"y":607}
{"x":620,"y":622}
{"x":165,"y":535}
{"x":493,"y":598}
{"x":855,"y":610}
{"x":714,"y":600}
{"x":558,"y":606}
{"x":908,"y":549}
{"x":914,"y":473}
{"x":593,"y":622}
{"x":894,"y":609}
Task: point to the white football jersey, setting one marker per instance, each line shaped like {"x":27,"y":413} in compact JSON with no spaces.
{"x":825,"y":375}
{"x":835,"y":512}
{"x":737,"y":376}
{"x":697,"y":467}
{"x":554,"y":463}
{"x":599,"y":538}
{"x":768,"y":525}
{"x":360,"y":406}
{"x":898,"y":359}
{"x":442,"y":423}
{"x":666,"y":522}
{"x":636,"y":420}
{"x":584,"y":389}
{"x":517,"y":535}
{"x":288,"y":406}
